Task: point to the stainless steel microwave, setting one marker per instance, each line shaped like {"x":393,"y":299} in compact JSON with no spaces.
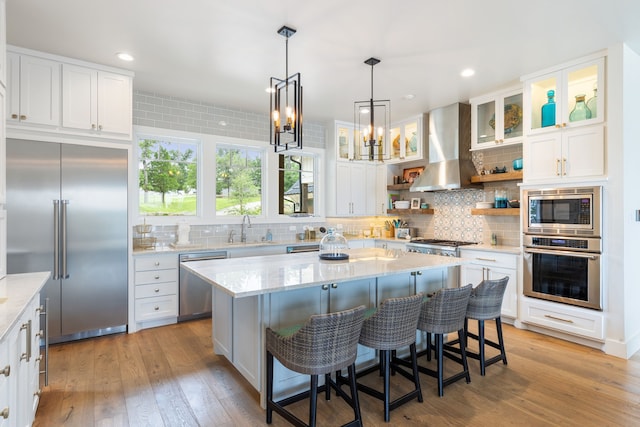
{"x":563,"y":211}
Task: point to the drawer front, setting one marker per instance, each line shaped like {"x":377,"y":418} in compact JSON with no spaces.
{"x":563,"y":318}
{"x":489,"y":259}
{"x":156,"y":262}
{"x":156,"y":308}
{"x":156,"y":289}
{"x":158,"y":276}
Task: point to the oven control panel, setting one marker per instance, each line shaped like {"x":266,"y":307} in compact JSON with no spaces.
{"x":588,"y":244}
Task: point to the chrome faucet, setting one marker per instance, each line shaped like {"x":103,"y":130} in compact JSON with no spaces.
{"x":231,"y":236}
{"x":243,"y":231}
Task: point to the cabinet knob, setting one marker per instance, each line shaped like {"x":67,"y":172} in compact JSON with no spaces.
{"x":24,"y":356}
{"x":156,"y":290}
{"x":157,"y":263}
{"x":6,"y":371}
{"x":419,"y":273}
{"x":325,"y":287}
{"x":156,"y":277}
{"x":93,"y":125}
{"x":23,"y":117}
{"x":557,"y":126}
{"x":38,"y":392}
{"x":99,"y":127}
{"x":156,"y":308}
{"x":5,"y":413}
{"x":14,"y":116}
{"x":334,"y":285}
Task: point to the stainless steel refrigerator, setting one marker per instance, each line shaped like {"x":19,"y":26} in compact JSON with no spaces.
{"x":67,"y":213}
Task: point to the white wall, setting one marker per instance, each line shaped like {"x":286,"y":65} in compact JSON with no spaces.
{"x":621,"y":200}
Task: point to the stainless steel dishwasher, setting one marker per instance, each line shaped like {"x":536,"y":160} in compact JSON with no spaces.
{"x":195,"y":293}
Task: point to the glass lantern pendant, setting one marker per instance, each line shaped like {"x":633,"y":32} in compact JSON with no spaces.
{"x":580,"y":111}
{"x":548,"y":112}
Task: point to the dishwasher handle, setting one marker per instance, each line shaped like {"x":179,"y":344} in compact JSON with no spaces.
{"x":203,"y":257}
{"x":303,"y":248}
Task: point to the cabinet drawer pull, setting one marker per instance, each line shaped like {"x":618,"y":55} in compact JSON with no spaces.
{"x":99,"y":127}
{"x":157,"y":263}
{"x":156,"y":308}
{"x":14,"y":116}
{"x":156,"y":290}
{"x":558,"y":318}
{"x":156,"y":277}
{"x":6,"y":371}
{"x":5,"y":413}
{"x":485,"y":259}
{"x":23,"y":117}
{"x":38,"y":392}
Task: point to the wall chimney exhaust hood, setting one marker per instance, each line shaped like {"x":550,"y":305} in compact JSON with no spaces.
{"x":450,"y":166}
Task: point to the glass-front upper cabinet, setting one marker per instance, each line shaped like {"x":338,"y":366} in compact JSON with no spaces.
{"x":567,"y":97}
{"x":406,"y":140}
{"x":489,"y":129}
{"x":345,"y":149}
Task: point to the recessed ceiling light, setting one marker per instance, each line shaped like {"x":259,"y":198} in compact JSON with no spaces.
{"x":124,"y":56}
{"x":409,"y":96}
{"x":467,"y":72}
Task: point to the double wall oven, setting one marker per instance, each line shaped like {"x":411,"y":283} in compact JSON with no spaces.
{"x":562,"y":245}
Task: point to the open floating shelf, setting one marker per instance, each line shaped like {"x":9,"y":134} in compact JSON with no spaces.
{"x":429,"y":211}
{"x":496,"y":211}
{"x":496,"y":177}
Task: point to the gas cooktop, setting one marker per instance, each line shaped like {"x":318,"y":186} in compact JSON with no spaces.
{"x":440,"y":242}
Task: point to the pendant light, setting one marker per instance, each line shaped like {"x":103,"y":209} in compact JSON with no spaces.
{"x":371,"y":120}
{"x":286,"y":105}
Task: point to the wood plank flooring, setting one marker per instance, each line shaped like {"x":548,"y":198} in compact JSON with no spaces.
{"x":169,"y":376}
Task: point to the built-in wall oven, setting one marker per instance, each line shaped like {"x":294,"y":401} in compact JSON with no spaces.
{"x":562,"y":245}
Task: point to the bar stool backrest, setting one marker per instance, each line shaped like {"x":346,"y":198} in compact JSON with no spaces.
{"x":445,"y":311}
{"x":393,"y":325}
{"x":485,"y":302}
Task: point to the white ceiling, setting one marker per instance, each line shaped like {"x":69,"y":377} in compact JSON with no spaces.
{"x":224,"y":51}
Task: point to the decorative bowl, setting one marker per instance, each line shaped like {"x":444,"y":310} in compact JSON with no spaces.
{"x":514,"y":203}
{"x":484,"y":205}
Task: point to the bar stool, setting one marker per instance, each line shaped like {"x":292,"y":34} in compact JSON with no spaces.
{"x":485,"y":303}
{"x":392,"y":326}
{"x":441,"y":314}
{"x":324,"y":344}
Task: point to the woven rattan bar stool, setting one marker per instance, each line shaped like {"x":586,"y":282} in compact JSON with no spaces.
{"x":485,"y":303}
{"x":392,"y":326}
{"x":326,"y":343}
{"x":442,"y":314}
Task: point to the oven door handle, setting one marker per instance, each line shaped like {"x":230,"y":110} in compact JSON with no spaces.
{"x":568,"y":253}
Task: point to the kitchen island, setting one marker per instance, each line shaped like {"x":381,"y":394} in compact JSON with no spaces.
{"x":275,"y":291}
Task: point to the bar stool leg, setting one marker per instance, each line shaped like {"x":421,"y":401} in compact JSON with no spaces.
{"x":501,"y":340}
{"x":416,"y":379}
{"x":483,"y":366}
{"x":269,"y":386}
{"x":354,"y":394}
{"x":313,"y":400}
{"x":440,"y":363}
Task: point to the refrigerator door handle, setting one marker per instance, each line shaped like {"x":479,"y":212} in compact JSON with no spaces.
{"x":63,"y":227}
{"x":56,"y":239}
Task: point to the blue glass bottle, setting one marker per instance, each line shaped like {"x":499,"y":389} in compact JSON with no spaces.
{"x":549,"y":110}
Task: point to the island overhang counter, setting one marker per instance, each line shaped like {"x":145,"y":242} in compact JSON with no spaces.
{"x":253,"y":293}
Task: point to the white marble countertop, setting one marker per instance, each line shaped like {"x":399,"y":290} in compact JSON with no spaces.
{"x":16,"y":291}
{"x":242,"y":277}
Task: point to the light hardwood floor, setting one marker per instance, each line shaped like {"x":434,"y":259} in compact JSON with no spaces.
{"x":170,"y":377}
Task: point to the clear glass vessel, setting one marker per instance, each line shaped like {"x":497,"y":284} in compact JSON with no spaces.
{"x":592,"y":103}
{"x":580,"y":111}
{"x":333,"y":246}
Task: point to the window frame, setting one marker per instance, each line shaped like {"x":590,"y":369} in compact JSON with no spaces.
{"x":205,"y":214}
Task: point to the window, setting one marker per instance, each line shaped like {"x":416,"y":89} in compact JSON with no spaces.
{"x":168,"y":176}
{"x":295,"y":184}
{"x":238,"y":181}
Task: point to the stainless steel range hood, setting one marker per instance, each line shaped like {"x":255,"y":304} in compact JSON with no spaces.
{"x":450,"y":166}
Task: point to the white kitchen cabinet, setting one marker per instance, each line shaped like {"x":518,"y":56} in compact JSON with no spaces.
{"x":33,"y":91}
{"x":489,"y":129}
{"x":490,"y":265}
{"x":562,"y":317}
{"x":156,"y":290}
{"x":577,"y":153}
{"x":351,"y":189}
{"x":581,"y":77}
{"x":22,"y":377}
{"x":95,"y":101}
{"x":3,"y":45}
{"x":376,"y":189}
{"x":406,"y":140}
{"x":5,"y":391}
